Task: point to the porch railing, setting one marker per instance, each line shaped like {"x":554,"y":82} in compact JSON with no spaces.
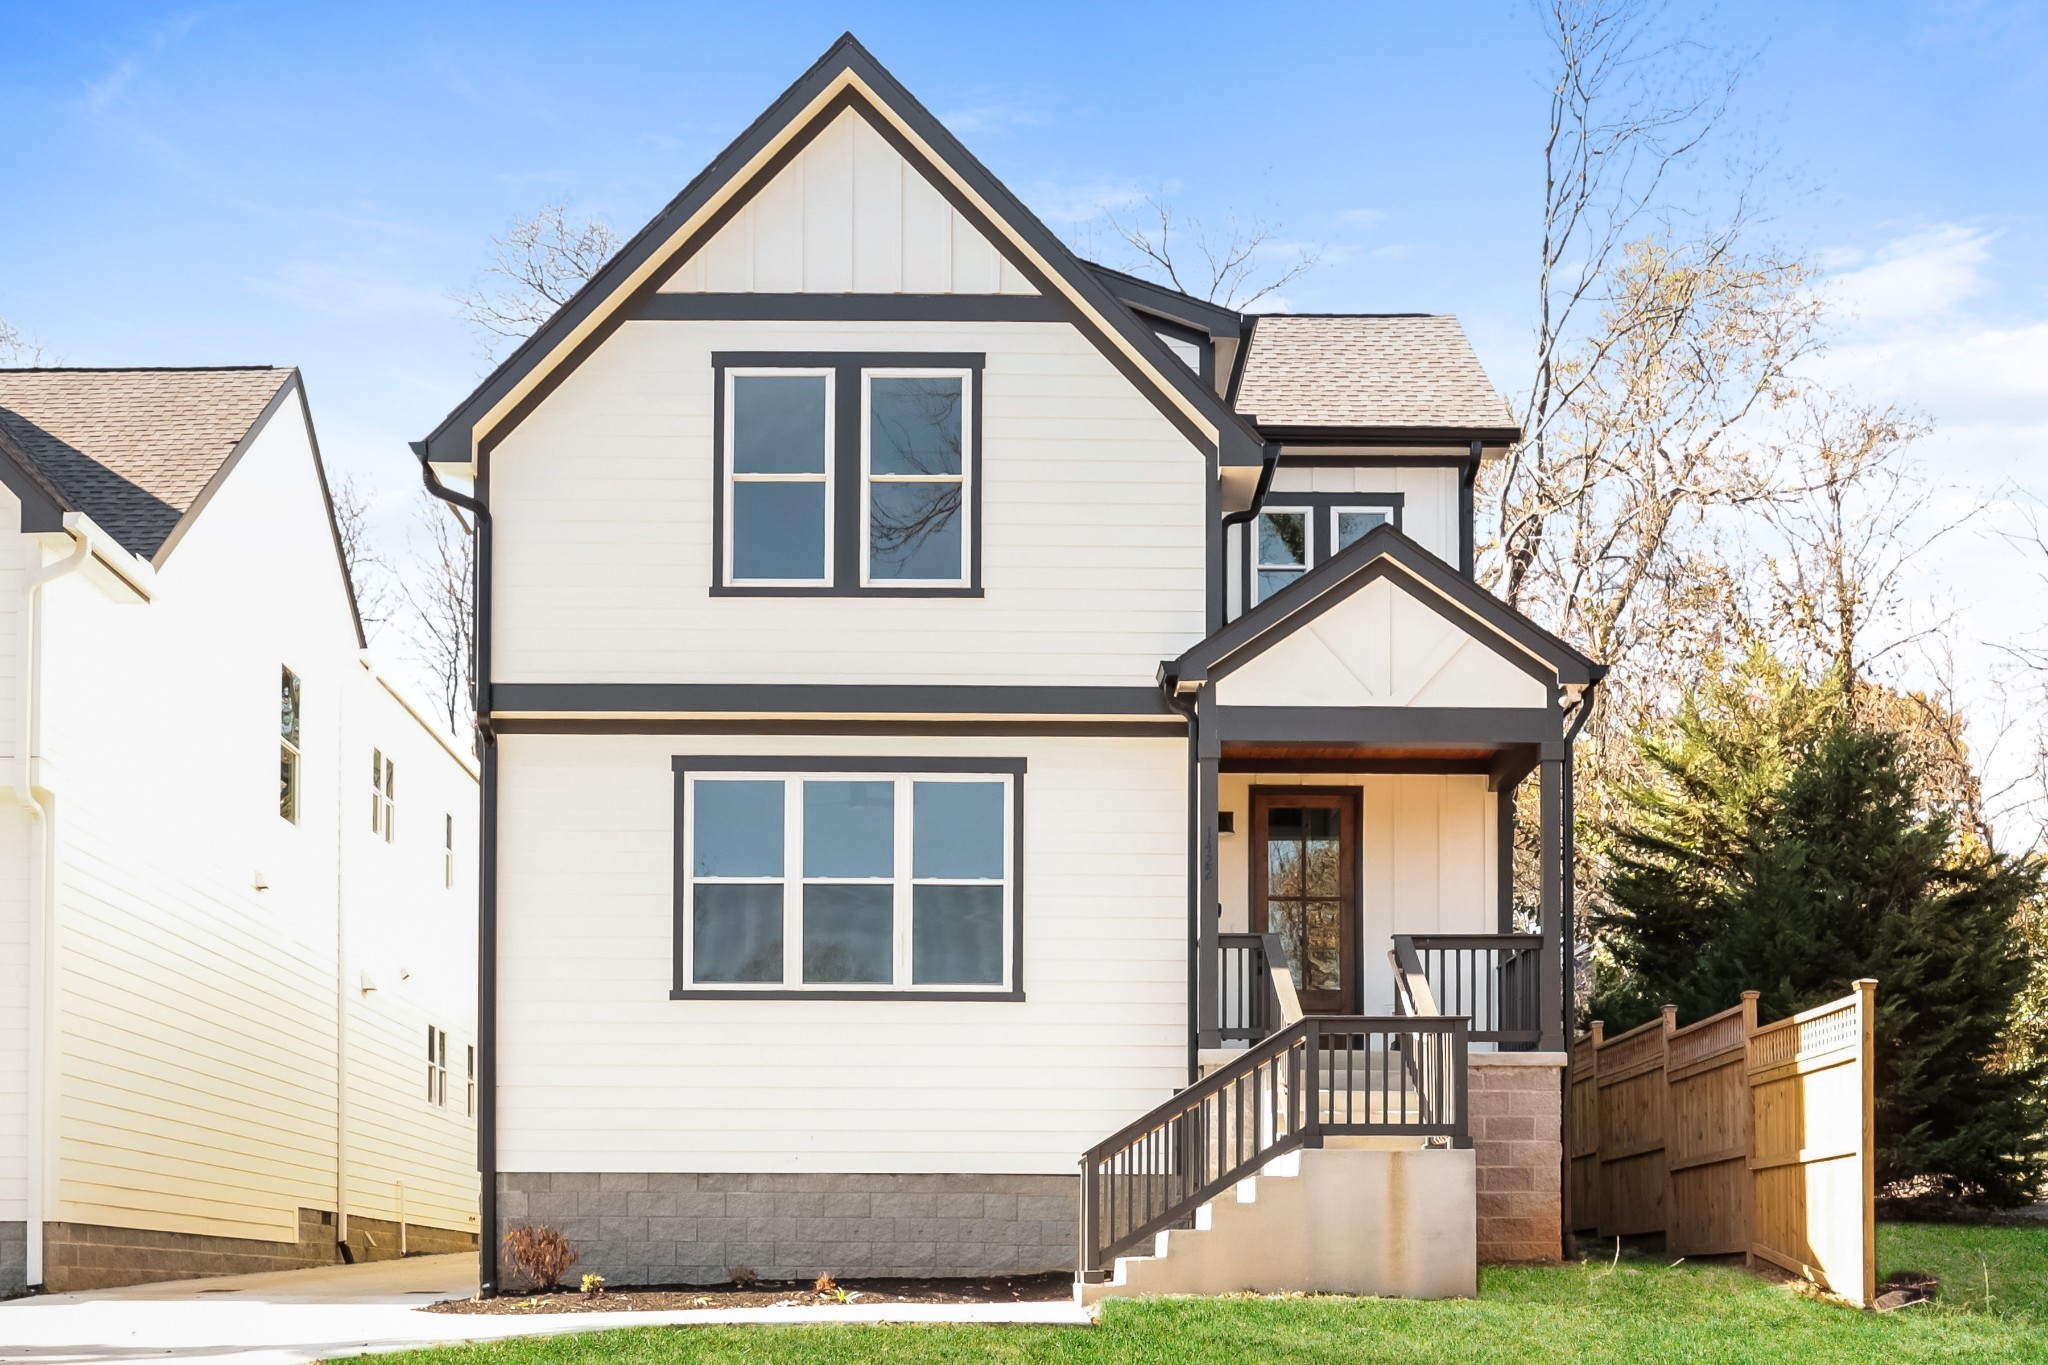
{"x":1494,"y":979}
{"x":1323,"y":1075}
{"x":1257,"y":987}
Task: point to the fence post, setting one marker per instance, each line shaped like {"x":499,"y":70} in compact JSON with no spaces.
{"x":1866,"y":1063}
{"x":1669,"y":1198}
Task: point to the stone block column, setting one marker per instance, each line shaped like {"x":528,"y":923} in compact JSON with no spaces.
{"x":1517,"y":1140}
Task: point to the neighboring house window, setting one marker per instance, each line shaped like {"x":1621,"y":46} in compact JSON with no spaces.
{"x":383,"y":795}
{"x":437,"y":1066}
{"x":469,"y":1102}
{"x":885,"y":876}
{"x":1301,"y":530}
{"x":846,"y":474}
{"x":448,"y":852}
{"x":288,"y":747}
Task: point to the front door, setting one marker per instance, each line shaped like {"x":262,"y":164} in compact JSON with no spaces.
{"x":1305,"y":888}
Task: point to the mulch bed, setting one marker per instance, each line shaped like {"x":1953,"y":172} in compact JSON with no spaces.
{"x":1050,"y":1288}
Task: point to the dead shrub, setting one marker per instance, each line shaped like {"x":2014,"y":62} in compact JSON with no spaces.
{"x":543,"y":1255}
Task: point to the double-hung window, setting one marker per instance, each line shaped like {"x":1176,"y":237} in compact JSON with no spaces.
{"x":383,"y":795}
{"x":1295,"y":532}
{"x":437,"y":1067}
{"x":865,"y":877}
{"x":848,"y":474}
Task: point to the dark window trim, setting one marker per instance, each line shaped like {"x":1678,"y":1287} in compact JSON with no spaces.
{"x":845,"y":465}
{"x":1012,"y":768}
{"x":1321,"y":505}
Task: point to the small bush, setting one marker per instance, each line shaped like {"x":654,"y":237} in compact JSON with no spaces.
{"x":543,"y":1255}
{"x":593,"y":1284}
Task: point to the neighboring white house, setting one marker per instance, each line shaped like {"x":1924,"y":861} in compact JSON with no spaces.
{"x":942,"y":697}
{"x":226,"y":949}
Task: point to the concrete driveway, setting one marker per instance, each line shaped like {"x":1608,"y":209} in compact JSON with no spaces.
{"x":294,"y":1316}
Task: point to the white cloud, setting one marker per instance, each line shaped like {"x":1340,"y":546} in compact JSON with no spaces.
{"x":997,"y":117}
{"x":1363,"y":217}
{"x":1924,"y":275}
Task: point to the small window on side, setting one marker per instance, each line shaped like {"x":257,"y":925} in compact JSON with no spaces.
{"x":469,"y":1106}
{"x":383,"y":794}
{"x":288,"y":747}
{"x":437,"y":1067}
{"x":448,"y":852}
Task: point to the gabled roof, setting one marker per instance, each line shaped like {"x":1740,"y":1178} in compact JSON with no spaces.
{"x":1381,"y":551}
{"x":846,"y":76}
{"x":135,"y":450}
{"x":1379,"y":374}
{"x":1160,"y":300}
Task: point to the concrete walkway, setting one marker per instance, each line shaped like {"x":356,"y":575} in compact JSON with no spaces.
{"x":295,"y":1316}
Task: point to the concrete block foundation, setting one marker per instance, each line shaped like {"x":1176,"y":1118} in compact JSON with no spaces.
{"x":668,"y":1228}
{"x":1517,"y":1142}
{"x":13,"y":1259}
{"x":91,"y":1256}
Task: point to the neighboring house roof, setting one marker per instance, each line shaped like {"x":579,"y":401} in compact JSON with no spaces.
{"x":1377,"y":373}
{"x":847,"y":75}
{"x":135,"y":450}
{"x":1380,"y":551}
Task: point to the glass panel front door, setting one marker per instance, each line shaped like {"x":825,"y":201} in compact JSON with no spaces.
{"x":1304,"y":890}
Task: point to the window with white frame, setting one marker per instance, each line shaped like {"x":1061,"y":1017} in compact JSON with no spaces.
{"x":850,"y":882}
{"x":288,"y":747}
{"x":1280,"y":550}
{"x":437,"y":1066}
{"x":845,"y":474}
{"x":469,"y":1102}
{"x":1349,"y":525}
{"x":915,"y":478}
{"x":383,"y":795}
{"x":448,"y":852}
{"x":778,"y":440}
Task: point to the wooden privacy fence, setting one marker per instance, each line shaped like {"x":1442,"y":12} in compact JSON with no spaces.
{"x":1727,"y":1137}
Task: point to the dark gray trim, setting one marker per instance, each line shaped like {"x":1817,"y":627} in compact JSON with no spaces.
{"x":1468,"y":478}
{"x":659,"y":307}
{"x":1383,"y":550}
{"x":1364,"y":766}
{"x":1294,"y":457}
{"x":1213,"y":320}
{"x":844,"y":459}
{"x":1237,"y":367}
{"x":1209,"y":899}
{"x":1553,"y":852}
{"x":43,"y":505}
{"x":1013,"y":768}
{"x":1489,"y":726}
{"x":1419,"y":434}
{"x":450,"y":441}
{"x":853,"y":698}
{"x":656,"y":725}
{"x":1321,"y":504}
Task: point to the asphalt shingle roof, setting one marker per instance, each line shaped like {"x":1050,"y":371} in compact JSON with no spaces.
{"x":1387,"y":370}
{"x":132,"y":449}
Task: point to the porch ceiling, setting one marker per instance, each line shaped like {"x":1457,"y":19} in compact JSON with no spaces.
{"x":1505,"y":761}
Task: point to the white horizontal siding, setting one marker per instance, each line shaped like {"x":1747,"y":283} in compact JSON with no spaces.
{"x":600,"y":1070}
{"x":1426,"y":860}
{"x":1092,"y":539}
{"x":15,"y":830}
{"x":395,"y":1134}
{"x":848,"y":215}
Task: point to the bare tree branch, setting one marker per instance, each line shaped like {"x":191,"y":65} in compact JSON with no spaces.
{"x":369,"y":573}
{"x":1237,"y":267}
{"x":535,"y":268}
{"x":439,"y":591}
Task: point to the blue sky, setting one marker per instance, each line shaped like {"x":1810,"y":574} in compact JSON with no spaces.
{"x":309,"y":184}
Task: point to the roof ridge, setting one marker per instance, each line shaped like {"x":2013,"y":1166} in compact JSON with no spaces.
{"x":134,"y":369}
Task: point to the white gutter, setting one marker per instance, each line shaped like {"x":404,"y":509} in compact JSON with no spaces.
{"x":42,"y":888}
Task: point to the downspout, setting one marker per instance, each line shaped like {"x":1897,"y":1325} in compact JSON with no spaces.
{"x":42,"y":896}
{"x":1581,"y":710}
{"x":487,"y":881}
{"x":1265,"y":486}
{"x":341,"y":1115}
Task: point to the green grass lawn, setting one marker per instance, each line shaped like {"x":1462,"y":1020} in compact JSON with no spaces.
{"x":1638,"y":1311}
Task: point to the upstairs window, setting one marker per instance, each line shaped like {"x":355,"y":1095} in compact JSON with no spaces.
{"x":1297,"y":531}
{"x":882,"y":882}
{"x":847,"y":475}
{"x":448,"y":852}
{"x":288,"y":747}
{"x":469,"y":1104}
{"x":383,"y":795}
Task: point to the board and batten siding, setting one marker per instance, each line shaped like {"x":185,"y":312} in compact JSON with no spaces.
{"x":1427,"y":845}
{"x":1091,"y":535}
{"x":599,"y":1070}
{"x":848,"y":215}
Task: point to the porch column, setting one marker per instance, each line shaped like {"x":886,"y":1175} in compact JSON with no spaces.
{"x":1552,"y":840}
{"x":1504,"y":854}
{"x":1208,"y":894}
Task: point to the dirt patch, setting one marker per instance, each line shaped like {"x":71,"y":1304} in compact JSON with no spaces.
{"x":1906,"y":1288}
{"x":1052,"y":1288}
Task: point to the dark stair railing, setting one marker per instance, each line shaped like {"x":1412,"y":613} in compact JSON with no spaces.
{"x":1257,"y":987}
{"x":1321,"y":1076}
{"x":1494,"y":979}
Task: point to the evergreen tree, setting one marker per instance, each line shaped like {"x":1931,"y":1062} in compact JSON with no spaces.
{"x":1814,"y":867}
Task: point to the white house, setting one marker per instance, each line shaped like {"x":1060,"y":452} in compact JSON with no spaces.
{"x":943,"y":699}
{"x":226,"y":949}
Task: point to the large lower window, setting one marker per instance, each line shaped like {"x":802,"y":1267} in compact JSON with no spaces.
{"x":863,"y":877}
{"x":847,"y":474}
